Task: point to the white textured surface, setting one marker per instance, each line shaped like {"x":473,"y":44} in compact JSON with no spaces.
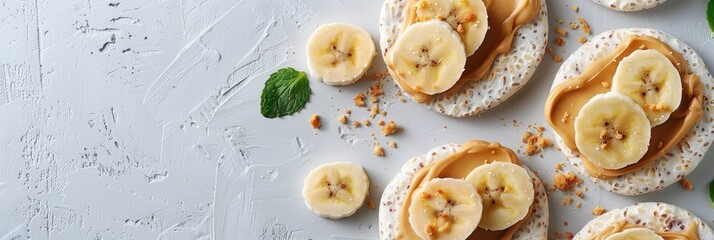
{"x":140,"y":119}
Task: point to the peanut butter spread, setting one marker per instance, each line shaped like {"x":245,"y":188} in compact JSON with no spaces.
{"x":691,"y":233}
{"x":459,"y":165}
{"x":569,"y":97}
{"x":504,"y":18}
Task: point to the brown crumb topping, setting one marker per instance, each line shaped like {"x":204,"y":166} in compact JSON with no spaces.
{"x":392,"y":144}
{"x":559,"y":167}
{"x":374,"y":111}
{"x":686,"y":184}
{"x":378,"y":150}
{"x":371,"y":204}
{"x":565,"y":182}
{"x":356,"y":124}
{"x":573,"y":25}
{"x":359,"y":100}
{"x":342,"y":119}
{"x":390,"y":128}
{"x":561,"y":31}
{"x":315,"y":121}
{"x":586,"y":27}
{"x":599,"y":211}
{"x":566,"y":201}
{"x":366,"y":122}
{"x":559,"y":41}
{"x":535,"y":144}
{"x":375,"y":91}
{"x":575,"y":8}
{"x":582,"y":39}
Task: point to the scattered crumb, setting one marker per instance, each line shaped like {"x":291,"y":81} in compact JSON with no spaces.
{"x":366,"y":122}
{"x":381,"y":123}
{"x":315,"y":121}
{"x":384,"y":113}
{"x":392,"y":144}
{"x":359,"y":100}
{"x":374,"y":112}
{"x":561,"y":31}
{"x":559,"y":167}
{"x":578,"y":193}
{"x":535,"y":144}
{"x":565,"y":182}
{"x":390,"y":128}
{"x":356,"y":124}
{"x":348,"y":112}
{"x":569,"y":235}
{"x":575,"y":8}
{"x":342,"y":119}
{"x":375,"y":91}
{"x":605,"y":84}
{"x":586,"y":27}
{"x":582,"y":39}
{"x":559,"y":41}
{"x":578,"y":205}
{"x":566,"y":201}
{"x":560,"y":21}
{"x":379,"y":76}
{"x":599,"y":211}
{"x":371,"y":205}
{"x":686,"y":184}
{"x":573,"y":25}
{"x":558,"y":58}
{"x":378,"y":150}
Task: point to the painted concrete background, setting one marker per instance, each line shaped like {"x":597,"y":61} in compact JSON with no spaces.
{"x":139,"y":119}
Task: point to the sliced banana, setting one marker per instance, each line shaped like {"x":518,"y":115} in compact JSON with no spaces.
{"x":335,"y":190}
{"x":612,"y":131}
{"x":650,"y":78}
{"x":445,"y":208}
{"x":507,"y":192}
{"x":467,"y":17}
{"x":428,"y":56}
{"x":635,"y":234}
{"x":340,"y":53}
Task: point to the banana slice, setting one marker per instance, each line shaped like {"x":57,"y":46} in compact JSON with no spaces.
{"x":445,"y":208}
{"x":635,"y":234}
{"x":428,"y":56}
{"x":612,"y":131}
{"x":467,"y":17}
{"x":507,"y":193}
{"x":335,"y":190}
{"x":339,"y":53}
{"x":649,"y":78}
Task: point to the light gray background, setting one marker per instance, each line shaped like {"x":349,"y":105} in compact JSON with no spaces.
{"x":140,"y":119}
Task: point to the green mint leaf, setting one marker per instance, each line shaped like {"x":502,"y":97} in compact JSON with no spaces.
{"x":711,"y":193}
{"x":710,"y":15}
{"x":286,"y":92}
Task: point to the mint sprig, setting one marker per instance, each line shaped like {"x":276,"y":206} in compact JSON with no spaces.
{"x":286,"y":92}
{"x":711,"y":193}
{"x":710,"y":16}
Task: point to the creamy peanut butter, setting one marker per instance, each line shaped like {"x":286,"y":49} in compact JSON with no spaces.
{"x":566,"y":100}
{"x":504,"y":18}
{"x":691,"y":233}
{"x":459,"y":165}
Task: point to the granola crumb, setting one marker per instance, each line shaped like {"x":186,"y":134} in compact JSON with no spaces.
{"x":371,"y":205}
{"x":378,"y":150}
{"x":582,"y":39}
{"x":586,"y":27}
{"x":381,"y":123}
{"x":390,"y":128}
{"x":686,"y":184}
{"x":559,"y":167}
{"x":573,"y":25}
{"x":599,"y":211}
{"x":356,"y":124}
{"x":315,"y":121}
{"x":560,"y":21}
{"x":575,"y":8}
{"x":605,"y":84}
{"x":366,"y":122}
{"x":566,"y":201}
{"x":558,"y":58}
{"x":569,"y":235}
{"x":578,"y":193}
{"x":561,"y":31}
{"x":559,"y":41}
{"x":375,"y":91}
{"x":565,"y":182}
{"x":348,"y":112}
{"x":359,"y":99}
{"x":384,"y":113}
{"x":342,"y":119}
{"x":578,"y":205}
{"x":535,"y":144}
{"x":374,"y":111}
{"x":392,"y":144}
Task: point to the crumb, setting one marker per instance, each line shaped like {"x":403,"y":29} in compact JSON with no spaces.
{"x":390,"y":128}
{"x":374,"y":111}
{"x":605,"y":84}
{"x":402,"y":99}
{"x":384,"y":113}
{"x":379,"y":75}
{"x":582,"y":39}
{"x":550,"y":51}
{"x":558,"y":58}
{"x":566,"y":201}
{"x":526,"y":135}
{"x":575,"y":8}
{"x":586,"y":27}
{"x":359,"y":100}
{"x":560,"y":21}
{"x":578,"y":205}
{"x":573,"y":25}
{"x":561,"y":31}
{"x":356,"y":124}
{"x":371,"y":205}
{"x":598,"y":211}
{"x":366,"y":122}
{"x":686,"y":184}
{"x":392,"y":144}
{"x":559,"y":41}
{"x":569,"y":235}
{"x":315,"y":121}
{"x":559,"y":167}
{"x":375,"y":91}
{"x":535,"y":143}
{"x":578,"y":193}
{"x":348,"y":112}
{"x":378,"y":150}
{"x":565,"y":182}
{"x":342,"y":119}
{"x":381,"y":123}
